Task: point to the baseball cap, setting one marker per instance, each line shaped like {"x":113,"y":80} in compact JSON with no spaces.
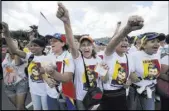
{"x":87,"y":38}
{"x":153,"y":35}
{"x":57,"y":36}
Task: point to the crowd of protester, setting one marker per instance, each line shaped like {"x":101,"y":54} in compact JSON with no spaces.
{"x":63,"y":72}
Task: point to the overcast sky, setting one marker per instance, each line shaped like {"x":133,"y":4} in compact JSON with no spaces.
{"x":97,"y":18}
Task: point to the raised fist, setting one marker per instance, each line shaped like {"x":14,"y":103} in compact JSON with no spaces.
{"x":135,"y":23}
{"x":62,"y":13}
{"x":4,"y":28}
{"x":119,"y":22}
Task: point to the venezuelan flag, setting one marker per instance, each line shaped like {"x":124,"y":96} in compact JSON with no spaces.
{"x":68,"y":90}
{"x":70,"y":104}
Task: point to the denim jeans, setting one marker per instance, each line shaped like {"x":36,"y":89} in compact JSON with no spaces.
{"x":39,"y":102}
{"x":138,"y":102}
{"x":19,"y":88}
{"x":55,"y":104}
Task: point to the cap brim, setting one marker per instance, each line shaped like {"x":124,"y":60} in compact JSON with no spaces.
{"x":51,"y":36}
{"x":86,"y":38}
{"x":161,"y":37}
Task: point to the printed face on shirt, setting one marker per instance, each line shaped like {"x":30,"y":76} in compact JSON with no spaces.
{"x":92,"y":76}
{"x":123,"y":46}
{"x":86,"y":47}
{"x":34,"y":73}
{"x":120,"y":74}
{"x":151,"y":69}
{"x":56,"y":45}
{"x":151,"y":46}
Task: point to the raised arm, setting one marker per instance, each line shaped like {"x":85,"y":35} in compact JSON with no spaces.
{"x":17,"y":60}
{"x":117,"y":28}
{"x":63,"y":15}
{"x":10,"y":42}
{"x":134,"y":23}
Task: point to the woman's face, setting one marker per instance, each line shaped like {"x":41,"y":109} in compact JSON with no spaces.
{"x":86,"y":47}
{"x":56,"y":45}
{"x":35,"y":48}
{"x":151,"y":46}
{"x":122,"y":47}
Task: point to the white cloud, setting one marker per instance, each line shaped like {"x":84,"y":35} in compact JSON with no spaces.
{"x":88,"y":17}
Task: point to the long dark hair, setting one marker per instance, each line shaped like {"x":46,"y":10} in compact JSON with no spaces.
{"x":94,"y":53}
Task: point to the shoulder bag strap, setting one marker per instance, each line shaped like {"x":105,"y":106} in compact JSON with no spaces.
{"x":87,"y":79}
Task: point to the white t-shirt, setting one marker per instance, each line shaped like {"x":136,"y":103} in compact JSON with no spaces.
{"x":36,"y":83}
{"x":132,"y":49}
{"x":80,"y":79}
{"x":52,"y":92}
{"x":165,"y":60}
{"x":118,"y":72}
{"x":146,"y":66}
{"x":7,"y":64}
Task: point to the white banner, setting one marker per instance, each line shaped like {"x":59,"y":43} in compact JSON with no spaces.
{"x":44,"y":27}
